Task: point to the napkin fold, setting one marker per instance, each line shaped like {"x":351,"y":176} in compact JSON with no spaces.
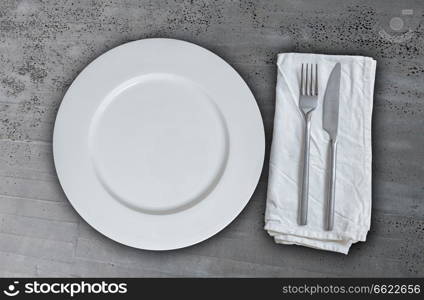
{"x":353,"y":166}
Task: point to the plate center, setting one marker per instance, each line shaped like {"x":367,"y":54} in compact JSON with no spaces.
{"x":158,"y":143}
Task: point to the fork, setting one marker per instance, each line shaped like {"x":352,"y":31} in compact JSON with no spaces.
{"x":308,"y":101}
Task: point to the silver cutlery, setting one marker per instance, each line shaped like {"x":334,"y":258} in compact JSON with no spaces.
{"x":308,"y":101}
{"x":330,"y":120}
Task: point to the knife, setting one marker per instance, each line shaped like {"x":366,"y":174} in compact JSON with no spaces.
{"x":330,"y":121}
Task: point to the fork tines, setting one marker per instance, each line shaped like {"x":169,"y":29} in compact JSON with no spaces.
{"x":309,"y":80}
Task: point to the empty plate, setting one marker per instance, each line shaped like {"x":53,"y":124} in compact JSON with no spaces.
{"x":158,"y":144}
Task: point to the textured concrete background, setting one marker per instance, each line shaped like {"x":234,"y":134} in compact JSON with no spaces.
{"x":45,"y":44}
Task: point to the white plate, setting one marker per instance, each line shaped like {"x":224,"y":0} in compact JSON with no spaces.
{"x":158,"y":144}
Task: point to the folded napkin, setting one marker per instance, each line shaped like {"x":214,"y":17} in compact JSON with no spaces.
{"x":353,"y":166}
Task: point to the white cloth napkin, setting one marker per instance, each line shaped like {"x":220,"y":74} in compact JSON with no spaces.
{"x":353,"y":166}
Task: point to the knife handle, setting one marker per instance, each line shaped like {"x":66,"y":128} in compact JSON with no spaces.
{"x":303,"y":203}
{"x":329,"y":222}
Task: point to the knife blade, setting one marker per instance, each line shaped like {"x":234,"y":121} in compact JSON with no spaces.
{"x":330,"y":124}
{"x":331,"y":103}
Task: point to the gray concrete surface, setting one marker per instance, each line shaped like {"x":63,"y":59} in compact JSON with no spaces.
{"x":45,"y":44}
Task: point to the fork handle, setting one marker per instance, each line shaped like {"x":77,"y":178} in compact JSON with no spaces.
{"x":329,"y":219}
{"x":303,"y":203}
